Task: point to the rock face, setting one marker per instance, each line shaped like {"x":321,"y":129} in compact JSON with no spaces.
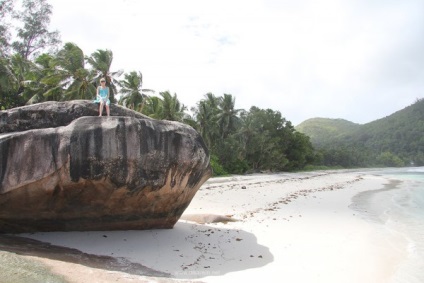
{"x":63,"y":168}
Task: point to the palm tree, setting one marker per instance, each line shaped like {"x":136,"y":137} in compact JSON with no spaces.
{"x":70,"y":75}
{"x":101,"y":61}
{"x":134,"y":97}
{"x":9,"y":85}
{"x":15,"y":73}
{"x":45,"y":89}
{"x":246,"y":131}
{"x":206,"y":117}
{"x":227,"y":116}
{"x":37,"y":87}
{"x":212,"y":100}
{"x":153,"y":107}
{"x":7,"y":77}
{"x":20,"y":67}
{"x":172,"y":110}
{"x":34,"y":88}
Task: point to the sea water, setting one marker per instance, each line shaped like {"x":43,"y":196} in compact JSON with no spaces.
{"x":398,"y":209}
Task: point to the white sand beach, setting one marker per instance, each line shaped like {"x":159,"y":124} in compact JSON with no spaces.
{"x":291,"y":227}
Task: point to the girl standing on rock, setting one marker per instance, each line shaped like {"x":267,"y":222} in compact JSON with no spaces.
{"x":102,"y":97}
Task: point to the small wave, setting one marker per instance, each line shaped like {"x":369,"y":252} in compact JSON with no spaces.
{"x":415,"y":169}
{"x":399,"y":208}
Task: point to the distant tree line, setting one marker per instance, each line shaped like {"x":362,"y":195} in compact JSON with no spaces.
{"x":393,"y":141}
{"x":34,"y":67}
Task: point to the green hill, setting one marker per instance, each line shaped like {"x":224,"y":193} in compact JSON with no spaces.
{"x":323,"y":131}
{"x":397,"y":136}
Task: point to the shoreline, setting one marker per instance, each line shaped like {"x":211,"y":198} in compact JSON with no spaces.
{"x":296,"y":226}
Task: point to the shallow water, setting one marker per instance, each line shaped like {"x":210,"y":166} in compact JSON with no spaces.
{"x":399,"y":209}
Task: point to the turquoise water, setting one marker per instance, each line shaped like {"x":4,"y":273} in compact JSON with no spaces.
{"x":399,"y":209}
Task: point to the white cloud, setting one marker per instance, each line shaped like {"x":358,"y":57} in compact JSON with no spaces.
{"x":358,"y":60}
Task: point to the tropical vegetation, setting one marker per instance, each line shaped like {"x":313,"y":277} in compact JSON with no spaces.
{"x":396,"y":140}
{"x":36,"y":67}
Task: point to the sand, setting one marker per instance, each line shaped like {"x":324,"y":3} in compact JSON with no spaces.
{"x":293,"y":227}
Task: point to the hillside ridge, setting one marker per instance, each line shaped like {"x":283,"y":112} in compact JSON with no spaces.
{"x":399,"y":134}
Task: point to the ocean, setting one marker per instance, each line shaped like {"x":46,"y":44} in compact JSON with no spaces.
{"x":398,"y":210}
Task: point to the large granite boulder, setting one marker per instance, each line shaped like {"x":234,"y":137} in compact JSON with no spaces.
{"x":63,"y":168}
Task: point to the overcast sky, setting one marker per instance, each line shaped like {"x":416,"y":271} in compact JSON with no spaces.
{"x":358,"y":60}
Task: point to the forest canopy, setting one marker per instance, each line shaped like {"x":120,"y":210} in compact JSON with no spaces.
{"x":35,"y":67}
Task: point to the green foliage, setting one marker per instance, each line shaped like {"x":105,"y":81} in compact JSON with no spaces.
{"x":320,"y":167}
{"x":228,"y":153}
{"x":239,"y":141}
{"x":299,"y":152}
{"x":346,"y":156}
{"x":323,"y":131}
{"x":100,"y":62}
{"x":133,"y":96}
{"x":206,"y":116}
{"x":256,"y":140}
{"x":153,"y":107}
{"x":167,"y":107}
{"x":226,"y":115}
{"x":396,"y":140}
{"x":388,"y":159}
{"x":9,"y":85}
{"x":172,"y":108}
{"x":71,"y":75}
{"x":217,"y":168}
{"x":266,"y":140}
{"x":34,"y":36}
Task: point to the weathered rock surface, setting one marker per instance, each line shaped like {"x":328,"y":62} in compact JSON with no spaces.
{"x":63,"y":168}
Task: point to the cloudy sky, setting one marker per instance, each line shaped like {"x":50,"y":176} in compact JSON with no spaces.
{"x":359,"y":60}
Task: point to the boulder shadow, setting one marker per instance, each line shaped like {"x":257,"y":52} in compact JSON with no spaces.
{"x":29,"y":247}
{"x":188,"y":251}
